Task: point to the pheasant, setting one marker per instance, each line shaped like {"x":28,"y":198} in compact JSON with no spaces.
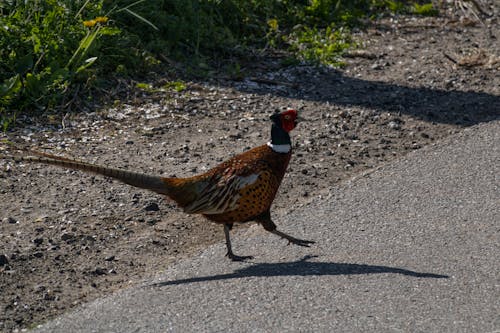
{"x":240,"y":189}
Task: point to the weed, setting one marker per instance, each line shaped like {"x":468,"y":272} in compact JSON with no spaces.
{"x":55,"y":53}
{"x":47,"y":52}
{"x":427,"y":9}
{"x":178,"y":86}
{"x":321,"y":46}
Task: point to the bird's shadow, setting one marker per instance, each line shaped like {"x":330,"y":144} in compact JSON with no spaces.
{"x":302,"y":267}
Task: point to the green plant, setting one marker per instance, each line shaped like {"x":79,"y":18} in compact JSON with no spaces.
{"x":48,"y":53}
{"x":56,"y":54}
{"x":426,"y":9}
{"x":321,"y":46}
{"x":178,"y":86}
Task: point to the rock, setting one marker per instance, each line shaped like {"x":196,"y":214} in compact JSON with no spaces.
{"x":39,"y":288}
{"x":152,"y":207}
{"x":110,"y":258}
{"x":98,"y":271}
{"x":68,"y":237}
{"x":152,"y":221}
{"x":3,"y":260}
{"x":10,"y":220}
{"x":38,"y":254}
{"x":49,"y":295}
{"x":394,"y":125}
{"x":136,"y":198}
{"x":38,"y":241}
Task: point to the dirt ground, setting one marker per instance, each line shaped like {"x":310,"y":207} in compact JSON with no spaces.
{"x":68,"y":237}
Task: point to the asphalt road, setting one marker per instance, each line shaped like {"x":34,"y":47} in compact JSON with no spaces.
{"x":411,"y":247}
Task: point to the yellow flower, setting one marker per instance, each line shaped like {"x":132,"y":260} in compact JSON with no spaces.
{"x":273,"y":24}
{"x":90,"y":23}
{"x":101,"y":19}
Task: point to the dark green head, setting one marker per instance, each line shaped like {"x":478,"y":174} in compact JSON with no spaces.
{"x":283,"y":122}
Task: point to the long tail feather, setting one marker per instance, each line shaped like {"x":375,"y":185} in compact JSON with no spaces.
{"x":137,"y":179}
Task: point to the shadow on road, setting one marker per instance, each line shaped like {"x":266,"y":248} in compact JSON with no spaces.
{"x":302,"y":267}
{"x":464,"y":108}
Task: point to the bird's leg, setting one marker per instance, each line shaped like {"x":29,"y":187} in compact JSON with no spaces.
{"x":269,"y":225}
{"x":230,"y":254}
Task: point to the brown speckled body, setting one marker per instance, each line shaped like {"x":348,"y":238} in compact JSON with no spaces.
{"x":254,"y":199}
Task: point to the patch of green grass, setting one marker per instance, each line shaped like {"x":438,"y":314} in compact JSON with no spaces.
{"x":426,"y":9}
{"x":144,"y":86}
{"x":52,"y":50}
{"x":178,"y":86}
{"x":321,"y":46}
{"x":56,"y":54}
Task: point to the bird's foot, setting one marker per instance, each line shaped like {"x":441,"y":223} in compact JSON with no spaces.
{"x":234,"y":257}
{"x":293,"y":240}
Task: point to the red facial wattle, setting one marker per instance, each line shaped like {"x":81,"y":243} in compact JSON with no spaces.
{"x":289,"y":120}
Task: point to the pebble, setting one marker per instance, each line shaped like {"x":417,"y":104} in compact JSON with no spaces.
{"x":99,"y":271}
{"x":38,"y":254}
{"x":152,"y":221}
{"x":152,"y":207}
{"x":38,"y":241}
{"x":68,"y":237}
{"x":394,"y":125}
{"x":10,"y":220}
{"x":3,"y":260}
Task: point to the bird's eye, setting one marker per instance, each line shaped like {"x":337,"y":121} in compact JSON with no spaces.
{"x":287,"y":117}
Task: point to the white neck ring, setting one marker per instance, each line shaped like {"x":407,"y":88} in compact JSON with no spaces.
{"x":280,"y":148}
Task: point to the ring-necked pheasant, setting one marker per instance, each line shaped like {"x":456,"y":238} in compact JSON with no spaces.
{"x":240,"y":189}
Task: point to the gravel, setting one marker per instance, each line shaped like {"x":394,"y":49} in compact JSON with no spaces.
{"x":357,"y":119}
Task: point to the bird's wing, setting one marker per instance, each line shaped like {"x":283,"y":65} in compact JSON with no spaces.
{"x":221,"y":193}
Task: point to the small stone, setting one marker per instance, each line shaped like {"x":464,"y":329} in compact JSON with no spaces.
{"x":344,"y":114}
{"x":3,"y":260}
{"x":304,"y":171}
{"x":39,"y":288}
{"x":110,"y":258}
{"x":49,"y":295}
{"x":394,"y":125}
{"x":152,"y":221}
{"x":152,"y":207}
{"x":38,"y":254}
{"x":38,"y":241}
{"x":10,"y":220}
{"x":129,"y":142}
{"x":99,"y":271}
{"x":68,"y":238}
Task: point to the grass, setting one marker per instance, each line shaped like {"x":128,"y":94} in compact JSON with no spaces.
{"x":55,"y":55}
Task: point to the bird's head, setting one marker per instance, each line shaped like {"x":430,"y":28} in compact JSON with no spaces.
{"x":287,"y":120}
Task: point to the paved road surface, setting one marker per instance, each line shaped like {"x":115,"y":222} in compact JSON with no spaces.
{"x":411,"y":247}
